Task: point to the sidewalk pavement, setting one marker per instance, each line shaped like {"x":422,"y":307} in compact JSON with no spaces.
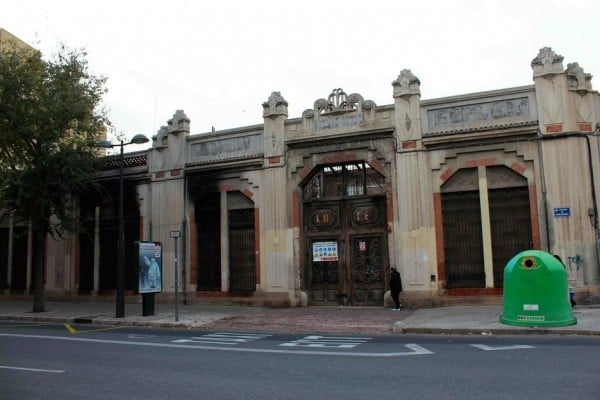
{"x":479,"y":319}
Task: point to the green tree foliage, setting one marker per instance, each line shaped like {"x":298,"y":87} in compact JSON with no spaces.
{"x":50,"y":122}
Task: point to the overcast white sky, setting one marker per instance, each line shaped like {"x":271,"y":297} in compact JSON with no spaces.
{"x":220,"y":60}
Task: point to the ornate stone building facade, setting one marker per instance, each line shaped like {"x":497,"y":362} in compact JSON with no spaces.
{"x":314,"y":210}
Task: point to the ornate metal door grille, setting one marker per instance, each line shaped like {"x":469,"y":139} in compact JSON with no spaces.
{"x":463,"y":241}
{"x":511,"y":226}
{"x":242,"y":266}
{"x":367,"y":269}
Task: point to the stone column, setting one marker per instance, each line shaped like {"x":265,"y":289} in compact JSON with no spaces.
{"x":569,"y":160}
{"x":414,"y":232}
{"x":276,"y":237}
{"x":164,"y":198}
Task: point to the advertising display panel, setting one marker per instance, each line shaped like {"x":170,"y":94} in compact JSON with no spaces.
{"x":150,"y":267}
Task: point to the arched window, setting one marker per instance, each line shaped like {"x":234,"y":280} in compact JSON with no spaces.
{"x":344,"y":180}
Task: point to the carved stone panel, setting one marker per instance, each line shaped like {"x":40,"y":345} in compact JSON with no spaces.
{"x":463,"y":180}
{"x":488,"y":113}
{"x":227,"y":148}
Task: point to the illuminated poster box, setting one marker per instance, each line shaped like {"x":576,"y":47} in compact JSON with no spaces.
{"x":150,"y":267}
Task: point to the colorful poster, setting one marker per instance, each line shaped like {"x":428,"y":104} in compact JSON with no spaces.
{"x":325,"y":251}
{"x":150,"y":267}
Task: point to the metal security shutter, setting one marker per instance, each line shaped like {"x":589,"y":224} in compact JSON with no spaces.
{"x":208,"y":222}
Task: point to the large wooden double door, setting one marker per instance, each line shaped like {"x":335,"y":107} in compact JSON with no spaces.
{"x":346,"y":258}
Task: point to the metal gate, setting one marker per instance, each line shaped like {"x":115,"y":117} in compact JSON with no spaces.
{"x":208,"y":223}
{"x":463,"y":241}
{"x":242,"y":265}
{"x":511,"y":226}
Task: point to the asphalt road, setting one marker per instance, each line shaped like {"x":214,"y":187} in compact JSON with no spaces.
{"x":57,"y":361}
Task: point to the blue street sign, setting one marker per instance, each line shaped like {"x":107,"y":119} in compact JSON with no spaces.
{"x":562,"y":212}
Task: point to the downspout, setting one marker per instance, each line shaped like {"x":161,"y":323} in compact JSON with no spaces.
{"x":184,"y":255}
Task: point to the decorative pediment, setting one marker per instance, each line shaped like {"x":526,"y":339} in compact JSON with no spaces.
{"x":547,"y":63}
{"x":578,"y":80}
{"x":178,"y":123}
{"x":339,"y":109}
{"x":276,"y":105}
{"x":407,"y":84}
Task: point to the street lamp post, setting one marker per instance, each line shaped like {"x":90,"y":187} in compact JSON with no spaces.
{"x":120,"y":301}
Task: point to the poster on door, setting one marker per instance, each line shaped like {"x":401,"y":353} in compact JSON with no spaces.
{"x":150,"y":267}
{"x":325,"y":251}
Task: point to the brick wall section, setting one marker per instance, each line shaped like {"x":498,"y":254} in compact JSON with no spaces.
{"x":447,"y":174}
{"x":193,"y":249}
{"x":483,"y":162}
{"x":376,"y":165}
{"x":296,"y":210}
{"x":535,"y":222}
{"x":389,"y":205}
{"x":585,"y":126}
{"x":303,"y":173}
{"x":248,"y":193}
{"x":554,"y":128}
{"x":339,"y":158}
{"x":409,"y":144}
{"x":439,"y":236}
{"x":518,"y":168}
{"x":257,"y":244}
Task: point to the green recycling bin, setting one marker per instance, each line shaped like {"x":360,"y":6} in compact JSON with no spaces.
{"x":536,"y":291}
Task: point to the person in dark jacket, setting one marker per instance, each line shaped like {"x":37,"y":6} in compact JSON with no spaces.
{"x":395,"y":287}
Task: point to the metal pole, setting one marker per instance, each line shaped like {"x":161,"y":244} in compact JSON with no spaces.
{"x":120,"y":311}
{"x":176,"y":282}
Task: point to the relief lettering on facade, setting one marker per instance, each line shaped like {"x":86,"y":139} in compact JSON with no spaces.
{"x":238,"y":147}
{"x":365,"y":215}
{"x":336,"y":121}
{"x":492,"y":111}
{"x":324,"y":218}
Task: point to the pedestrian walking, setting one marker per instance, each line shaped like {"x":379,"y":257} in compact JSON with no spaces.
{"x":395,"y":287}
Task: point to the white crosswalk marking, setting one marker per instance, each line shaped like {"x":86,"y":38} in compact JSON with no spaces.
{"x":495,"y":348}
{"x":223,"y":338}
{"x":340,"y":342}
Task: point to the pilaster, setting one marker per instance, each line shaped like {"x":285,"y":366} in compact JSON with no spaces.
{"x":414,"y":230}
{"x":276,"y":239}
{"x":407,"y":99}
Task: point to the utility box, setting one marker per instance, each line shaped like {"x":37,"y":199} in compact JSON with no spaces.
{"x":536,"y":291}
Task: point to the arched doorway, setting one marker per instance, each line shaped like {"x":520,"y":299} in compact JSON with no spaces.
{"x":344,"y":224}
{"x":505,"y":209}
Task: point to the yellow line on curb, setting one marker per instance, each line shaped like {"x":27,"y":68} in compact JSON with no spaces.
{"x":70,"y":329}
{"x":75,"y":331}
